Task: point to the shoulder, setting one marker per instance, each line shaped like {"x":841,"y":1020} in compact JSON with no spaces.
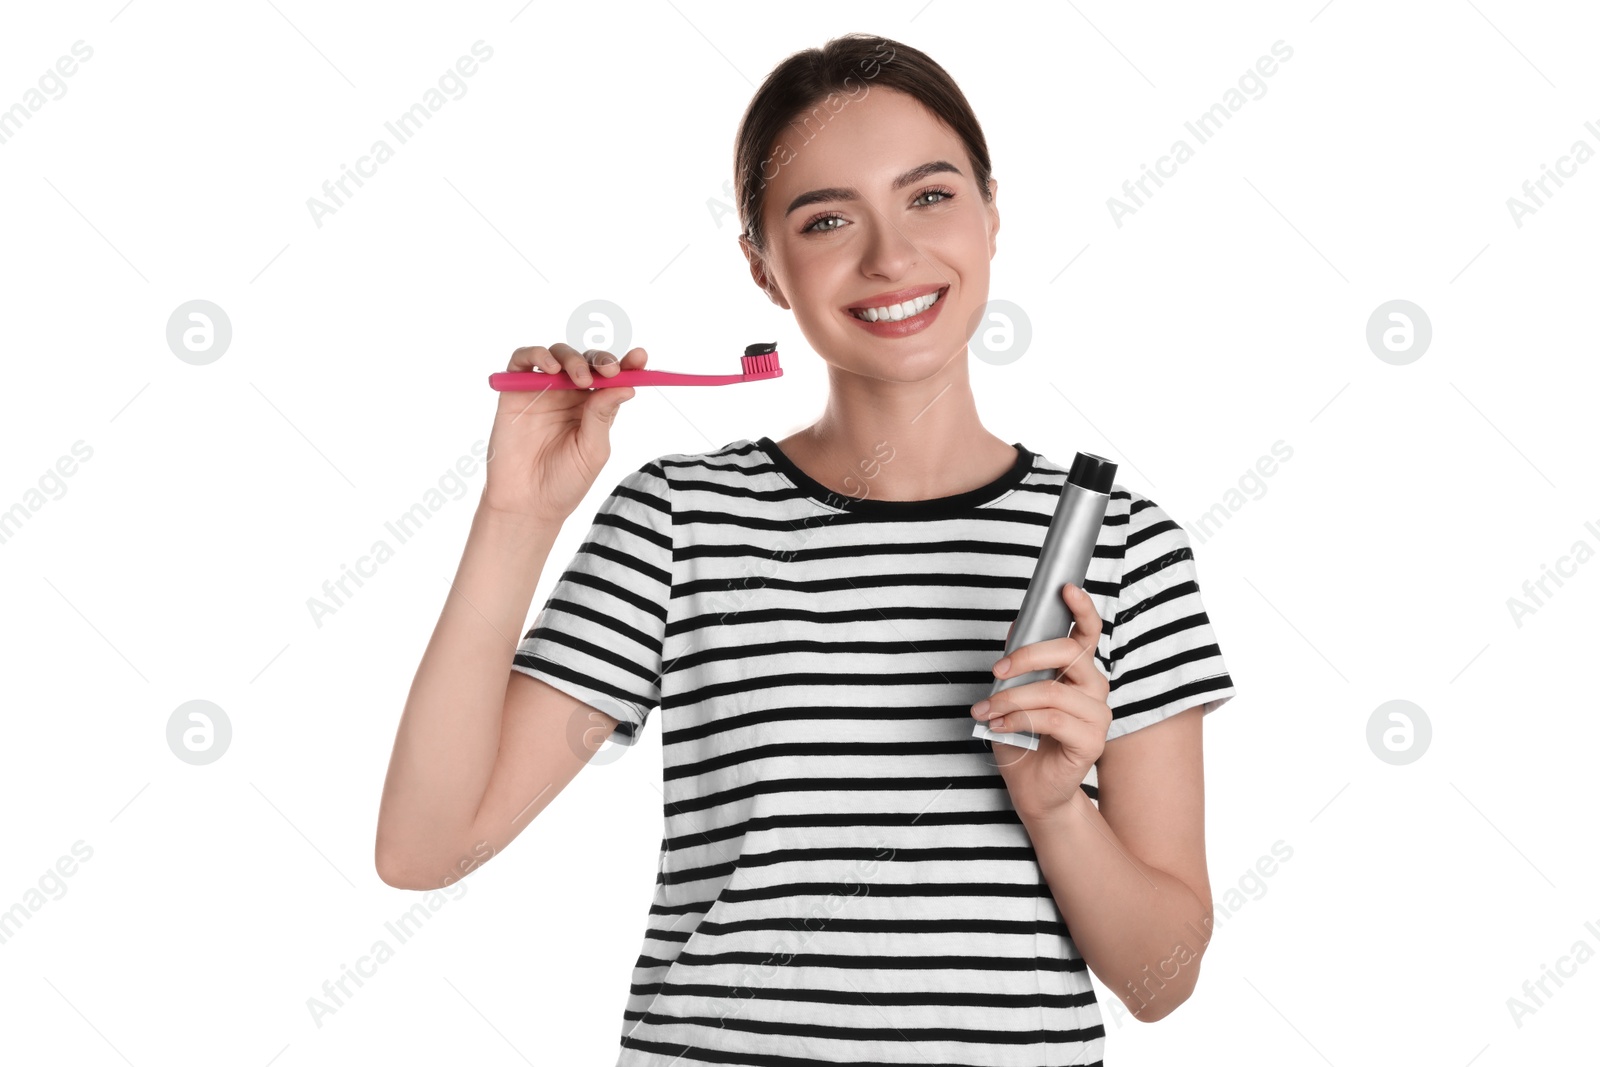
{"x":716,"y":473}
{"x":1150,"y":534}
{"x":682,"y":467}
{"x":1157,"y":574}
{"x":657,"y":482}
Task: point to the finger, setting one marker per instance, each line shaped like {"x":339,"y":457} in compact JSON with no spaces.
{"x":1086,"y":630}
{"x":599,"y":412}
{"x":634,"y":359}
{"x":573,"y":363}
{"x":1071,"y":654}
{"x":1046,"y":696}
{"x":604,"y":363}
{"x":1080,"y":668}
{"x":531,"y":357}
{"x":1084,"y":613}
{"x":1074,"y":735}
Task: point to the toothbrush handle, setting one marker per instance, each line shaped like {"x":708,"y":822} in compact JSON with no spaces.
{"x":517,"y":381}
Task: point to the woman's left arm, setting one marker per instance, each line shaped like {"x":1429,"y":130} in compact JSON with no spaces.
{"x":1130,"y":878}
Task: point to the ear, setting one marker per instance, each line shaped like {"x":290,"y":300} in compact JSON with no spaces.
{"x":758,"y":273}
{"x":994,"y":213}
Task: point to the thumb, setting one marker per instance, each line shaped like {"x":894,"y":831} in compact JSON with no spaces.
{"x":599,"y":412}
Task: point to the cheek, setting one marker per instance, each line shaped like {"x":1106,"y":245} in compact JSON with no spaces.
{"x":816,"y":280}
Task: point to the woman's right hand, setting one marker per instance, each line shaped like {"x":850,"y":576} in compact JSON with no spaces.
{"x":548,"y":446}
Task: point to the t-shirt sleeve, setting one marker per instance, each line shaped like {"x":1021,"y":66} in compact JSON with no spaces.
{"x":1164,"y":655}
{"x":599,"y":636}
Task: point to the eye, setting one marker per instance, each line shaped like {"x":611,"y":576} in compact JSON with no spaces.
{"x":811,"y":227}
{"x":944,"y":194}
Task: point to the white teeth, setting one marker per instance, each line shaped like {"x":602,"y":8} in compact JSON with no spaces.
{"x":896,"y":312}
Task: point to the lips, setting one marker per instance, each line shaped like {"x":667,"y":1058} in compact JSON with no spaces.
{"x":910,"y":325}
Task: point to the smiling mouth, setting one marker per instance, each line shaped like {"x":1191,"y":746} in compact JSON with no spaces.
{"x":896,"y":312}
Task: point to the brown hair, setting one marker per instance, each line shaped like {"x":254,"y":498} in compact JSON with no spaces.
{"x":793,"y":95}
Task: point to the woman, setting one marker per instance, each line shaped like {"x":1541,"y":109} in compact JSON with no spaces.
{"x":845,"y":870}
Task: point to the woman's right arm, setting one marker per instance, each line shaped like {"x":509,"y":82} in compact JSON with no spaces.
{"x":482,"y":749}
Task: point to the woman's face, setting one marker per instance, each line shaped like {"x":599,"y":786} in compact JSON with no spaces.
{"x":880,"y":199}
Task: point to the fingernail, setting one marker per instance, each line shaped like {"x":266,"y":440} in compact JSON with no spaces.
{"x":1003,"y":666}
{"x":981,"y":707}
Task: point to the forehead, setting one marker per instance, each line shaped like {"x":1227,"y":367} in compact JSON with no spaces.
{"x":864,"y":140}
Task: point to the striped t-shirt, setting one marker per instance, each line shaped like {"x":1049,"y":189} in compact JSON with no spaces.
{"x":842,"y":876}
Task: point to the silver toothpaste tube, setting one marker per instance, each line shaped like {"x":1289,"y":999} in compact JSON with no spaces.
{"x":1064,"y":557}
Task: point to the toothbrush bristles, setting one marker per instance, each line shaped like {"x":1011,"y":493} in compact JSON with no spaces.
{"x":767,"y":363}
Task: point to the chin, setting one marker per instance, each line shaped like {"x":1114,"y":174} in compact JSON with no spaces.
{"x":912,"y":364}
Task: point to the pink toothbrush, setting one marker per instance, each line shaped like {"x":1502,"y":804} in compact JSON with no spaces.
{"x":760,"y":361}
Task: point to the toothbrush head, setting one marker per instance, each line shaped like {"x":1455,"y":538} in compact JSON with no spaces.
{"x":760,"y":361}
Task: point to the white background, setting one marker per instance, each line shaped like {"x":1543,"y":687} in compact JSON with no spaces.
{"x":587,"y":160}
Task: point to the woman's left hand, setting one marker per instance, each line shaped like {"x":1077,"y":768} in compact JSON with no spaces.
{"x":1069,"y":714}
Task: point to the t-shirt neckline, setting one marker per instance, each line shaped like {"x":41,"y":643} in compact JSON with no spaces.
{"x":905,"y":509}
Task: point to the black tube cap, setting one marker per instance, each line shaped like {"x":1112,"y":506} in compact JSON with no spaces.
{"x":1092,"y":472}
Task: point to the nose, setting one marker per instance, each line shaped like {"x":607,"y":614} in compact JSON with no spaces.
{"x":886,"y":251}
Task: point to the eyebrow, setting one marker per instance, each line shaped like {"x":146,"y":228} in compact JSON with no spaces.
{"x":845,"y":192}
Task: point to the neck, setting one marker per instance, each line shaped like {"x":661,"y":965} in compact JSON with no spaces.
{"x":900,"y":440}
